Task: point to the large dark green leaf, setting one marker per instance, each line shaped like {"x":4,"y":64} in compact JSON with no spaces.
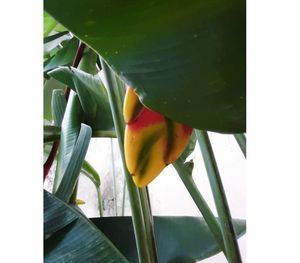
{"x":92,"y":95}
{"x":179,"y":239}
{"x":71,"y":237}
{"x":186,"y":60}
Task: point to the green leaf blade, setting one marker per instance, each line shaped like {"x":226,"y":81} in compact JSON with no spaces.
{"x":189,"y":65}
{"x":58,"y":106}
{"x":181,"y":239}
{"x":79,"y":240}
{"x":92,"y":95}
{"x":70,"y":176}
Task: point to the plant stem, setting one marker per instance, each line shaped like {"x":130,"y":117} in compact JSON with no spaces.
{"x":148,"y":219}
{"x":144,"y":249}
{"x":105,"y":134}
{"x":200,"y":202}
{"x":100,"y":207}
{"x":51,"y":157}
{"x":241,"y":140}
{"x":114,"y":177}
{"x":123,"y":198}
{"x":74,"y":195}
{"x":229,"y":237}
{"x":98,"y":190}
{"x":78,"y":57}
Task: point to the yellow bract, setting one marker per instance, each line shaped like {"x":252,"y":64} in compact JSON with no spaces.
{"x":132,"y":105}
{"x":151,"y":141}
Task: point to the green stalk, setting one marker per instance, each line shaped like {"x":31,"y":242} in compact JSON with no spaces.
{"x":105,"y":134}
{"x":114,"y":177}
{"x":123,"y":197}
{"x":97,"y":186}
{"x":229,"y":237}
{"x":148,"y":219}
{"x":241,"y":140}
{"x":200,"y":202}
{"x":74,"y":195}
{"x":100,"y":207}
{"x":144,"y":249}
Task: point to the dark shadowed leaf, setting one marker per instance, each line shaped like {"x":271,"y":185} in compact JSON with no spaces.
{"x":51,"y":133}
{"x":55,"y":36}
{"x":179,"y":239}
{"x":187,"y":61}
{"x":71,"y":237}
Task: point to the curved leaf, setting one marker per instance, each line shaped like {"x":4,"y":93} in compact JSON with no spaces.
{"x":58,"y":106}
{"x":92,"y":95}
{"x":180,"y":239}
{"x":71,"y":173}
{"x":49,"y":86}
{"x":69,"y":132}
{"x":73,"y":237}
{"x":186,"y":60}
{"x":87,"y":168}
{"x":64,"y":56}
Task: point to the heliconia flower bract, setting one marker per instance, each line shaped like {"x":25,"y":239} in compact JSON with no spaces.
{"x":151,"y":140}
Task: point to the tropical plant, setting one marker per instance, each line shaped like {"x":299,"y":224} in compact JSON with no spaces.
{"x":185,"y":64}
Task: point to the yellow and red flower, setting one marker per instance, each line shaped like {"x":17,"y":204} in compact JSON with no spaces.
{"x":152,"y":141}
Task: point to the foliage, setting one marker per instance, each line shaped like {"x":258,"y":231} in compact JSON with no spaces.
{"x":185,"y":61}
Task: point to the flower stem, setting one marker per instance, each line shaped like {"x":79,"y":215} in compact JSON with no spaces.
{"x":200,"y":202}
{"x":145,"y":250}
{"x":123,"y":197}
{"x":241,"y":140}
{"x":229,"y":237}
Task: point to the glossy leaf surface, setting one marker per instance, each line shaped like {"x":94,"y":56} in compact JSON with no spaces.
{"x":179,"y":239}
{"x":185,"y":60}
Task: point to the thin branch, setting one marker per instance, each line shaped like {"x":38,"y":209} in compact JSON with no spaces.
{"x":241,"y":140}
